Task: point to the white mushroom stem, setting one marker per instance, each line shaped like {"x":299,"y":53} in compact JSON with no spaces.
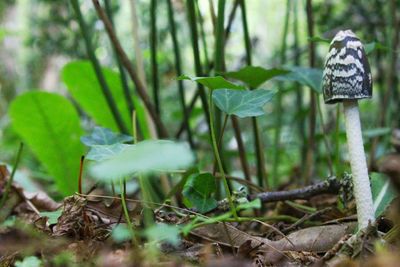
{"x":358,"y":162}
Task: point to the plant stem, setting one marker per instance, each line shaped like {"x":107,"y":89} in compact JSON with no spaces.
{"x":97,"y":68}
{"x":161,"y":129}
{"x":203,"y":37}
{"x":311,"y":135}
{"x":299,"y":93}
{"x":153,"y":54}
{"x":126,"y":213}
{"x":325,"y":137}
{"x":218,"y":159}
{"x":178,"y":68}
{"x":11,"y":179}
{"x":124,"y":82}
{"x":258,"y":147}
{"x":242,"y":151}
{"x":196,"y":54}
{"x":278,"y":105}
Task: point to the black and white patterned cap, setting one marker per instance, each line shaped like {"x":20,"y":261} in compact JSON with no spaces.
{"x":347,"y":74}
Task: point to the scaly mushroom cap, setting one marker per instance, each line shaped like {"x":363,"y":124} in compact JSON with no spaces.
{"x":347,"y":74}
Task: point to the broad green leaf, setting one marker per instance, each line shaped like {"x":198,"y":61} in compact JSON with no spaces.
{"x":164,"y":233}
{"x":50,"y":125}
{"x":212,"y":82}
{"x":51,"y":215}
{"x":198,"y":190}
{"x":255,"y":76}
{"x":103,"y":152}
{"x":382,"y":192}
{"x":242,"y":103}
{"x":104,"y":136}
{"x":144,"y":157}
{"x":81,"y":82}
{"x":306,"y":76}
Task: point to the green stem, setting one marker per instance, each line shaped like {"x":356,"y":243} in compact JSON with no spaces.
{"x":258,"y":146}
{"x":153,"y":54}
{"x":126,"y":212}
{"x":196,"y":54}
{"x":218,"y":159}
{"x":97,"y":68}
{"x":203,"y":37}
{"x":325,"y":137}
{"x":178,"y":67}
{"x":124,"y":81}
{"x":278,"y":105}
{"x":10,"y":180}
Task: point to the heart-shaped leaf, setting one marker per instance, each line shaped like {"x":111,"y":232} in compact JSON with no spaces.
{"x":103,"y":152}
{"x":306,"y":76}
{"x":198,"y":190}
{"x":50,"y":125}
{"x":144,"y":157}
{"x":382,"y":192}
{"x":212,"y":82}
{"x":255,"y":76}
{"x":104,"y":136}
{"x":242,"y":103}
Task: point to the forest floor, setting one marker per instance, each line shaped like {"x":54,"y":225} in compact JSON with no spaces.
{"x":38,"y":231}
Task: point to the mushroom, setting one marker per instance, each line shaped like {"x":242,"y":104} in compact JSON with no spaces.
{"x":346,"y":79}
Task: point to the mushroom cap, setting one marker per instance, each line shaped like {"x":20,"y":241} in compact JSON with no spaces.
{"x":347,"y":75}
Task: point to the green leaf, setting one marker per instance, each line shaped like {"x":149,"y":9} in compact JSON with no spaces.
{"x":121,"y":233}
{"x":198,"y":190}
{"x":51,"y":215}
{"x":212,"y":82}
{"x":81,"y":82}
{"x":103,"y":152}
{"x":371,"y":47}
{"x":144,"y":157}
{"x":255,"y":76}
{"x":104,"y":136}
{"x":50,"y":125}
{"x":382,"y":192}
{"x":163,"y":233}
{"x":242,"y":103}
{"x":371,"y":133}
{"x":306,"y":76}
{"x":31,"y":261}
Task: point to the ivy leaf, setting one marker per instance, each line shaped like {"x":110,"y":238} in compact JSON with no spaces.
{"x":144,"y":157}
{"x":104,"y":136}
{"x":103,"y":152}
{"x":198,"y":190}
{"x":51,"y":215}
{"x":242,"y":103}
{"x":212,"y":82}
{"x":382,"y":192}
{"x":305,"y":76}
{"x":255,"y":76}
{"x":50,"y":125}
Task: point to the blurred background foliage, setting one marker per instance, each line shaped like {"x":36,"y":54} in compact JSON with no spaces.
{"x":38,"y":37}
